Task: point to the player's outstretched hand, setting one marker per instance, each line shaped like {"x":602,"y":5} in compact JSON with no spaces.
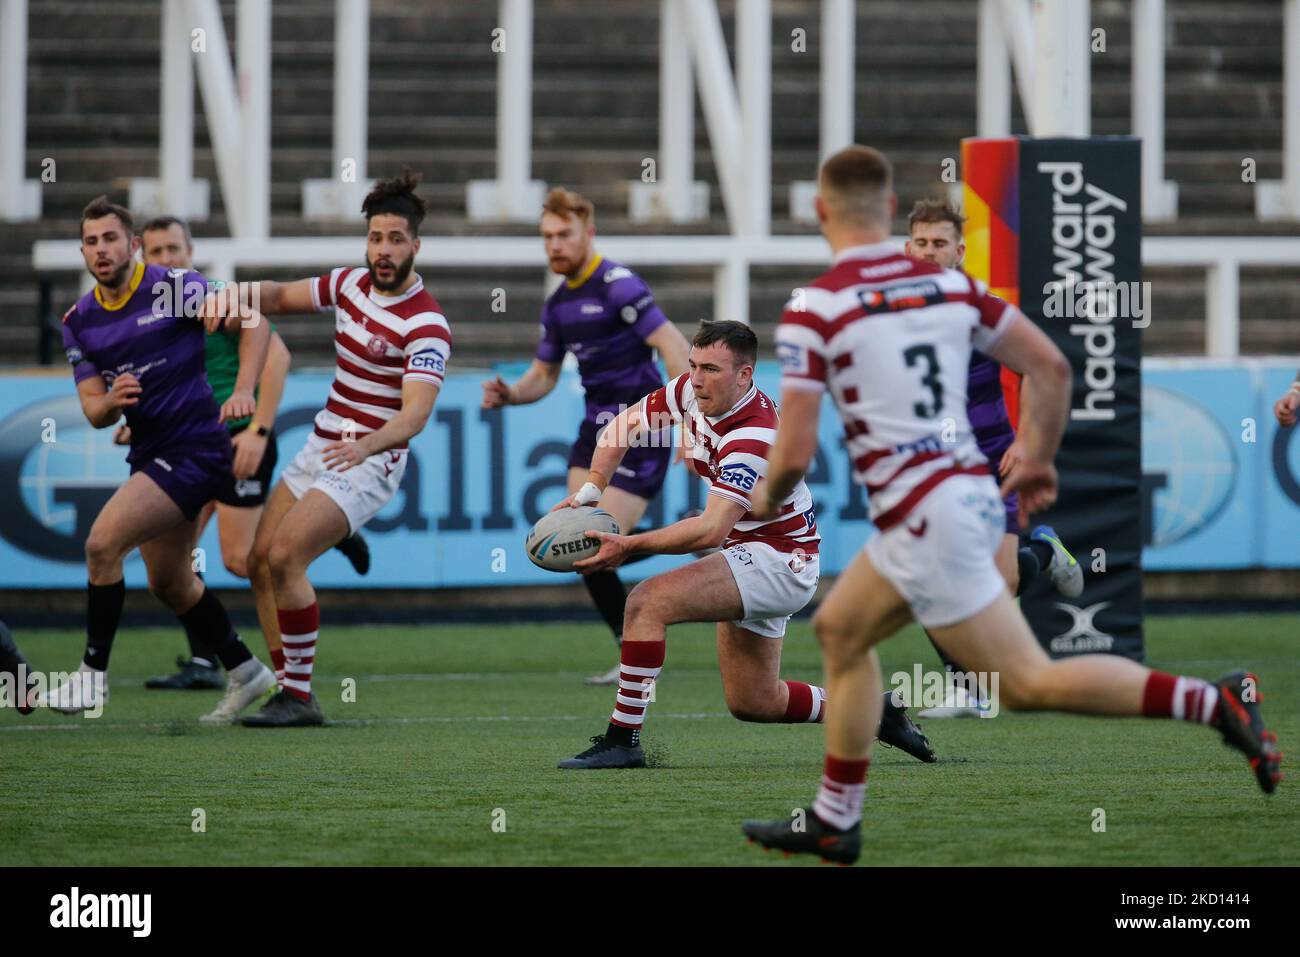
{"x":1010,"y":457}
{"x":1285,"y":408}
{"x":249,"y":449}
{"x":123,"y":435}
{"x":496,"y":393}
{"x":219,"y":305}
{"x":240,"y":404}
{"x":613,"y":552}
{"x":1037,"y":484}
{"x":760,"y":508}
{"x":342,"y":455}
{"x":124,"y":392}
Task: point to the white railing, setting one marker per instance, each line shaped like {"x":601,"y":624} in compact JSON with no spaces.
{"x":730,"y":257}
{"x":1048,"y":43}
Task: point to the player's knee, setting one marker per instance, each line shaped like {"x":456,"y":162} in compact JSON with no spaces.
{"x":282,"y":558}
{"x":833,"y":633}
{"x":101,"y":550}
{"x":1025,"y":691}
{"x":237,"y":565}
{"x":171,"y":586}
{"x":643,"y":602}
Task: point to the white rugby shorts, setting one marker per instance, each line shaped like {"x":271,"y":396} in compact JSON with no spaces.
{"x":773,"y":585}
{"x":360,"y":492}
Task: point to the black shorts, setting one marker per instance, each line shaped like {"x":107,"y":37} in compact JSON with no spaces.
{"x":252,"y":491}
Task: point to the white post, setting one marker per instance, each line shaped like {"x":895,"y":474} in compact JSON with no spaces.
{"x":1018,"y":27}
{"x":754,"y":75}
{"x":1159,"y":197}
{"x":512,"y":196}
{"x":175,"y":191}
{"x":993,"y":74}
{"x":836,"y":50}
{"x":721,"y":106}
{"x":1291,"y":105}
{"x":1061,"y":69}
{"x":1222,"y":303}
{"x":731,"y":290}
{"x":176,"y":160}
{"x":676,"y":115}
{"x":1280,"y":199}
{"x":351,"y":99}
{"x":1078,"y":66}
{"x":514,"y":105}
{"x":221,"y":109}
{"x":339,"y":195}
{"x":837,"y":55}
{"x":253,"y":35}
{"x":20,"y":198}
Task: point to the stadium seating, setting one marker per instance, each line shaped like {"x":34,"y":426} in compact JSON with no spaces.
{"x":93,"y":109}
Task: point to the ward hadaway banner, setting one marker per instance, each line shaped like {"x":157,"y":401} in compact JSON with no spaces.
{"x":1080,"y":278}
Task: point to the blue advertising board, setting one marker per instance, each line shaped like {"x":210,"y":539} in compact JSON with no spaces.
{"x":1221,"y":492}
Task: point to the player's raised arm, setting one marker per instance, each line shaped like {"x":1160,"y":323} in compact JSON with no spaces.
{"x":620,"y":434}
{"x":240,"y":300}
{"x":533,"y":385}
{"x":792,"y":452}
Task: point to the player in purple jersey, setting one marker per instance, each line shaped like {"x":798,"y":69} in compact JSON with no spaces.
{"x":606,"y":316}
{"x":137,"y":348}
{"x":934,"y":234}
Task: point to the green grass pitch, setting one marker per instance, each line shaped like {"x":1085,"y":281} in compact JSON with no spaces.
{"x":456,"y":729}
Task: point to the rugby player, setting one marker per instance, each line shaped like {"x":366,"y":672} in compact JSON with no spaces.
{"x":13,"y":663}
{"x":765,"y":572}
{"x":392,"y":345}
{"x":137,"y":348}
{"x":166,"y":241}
{"x":606,"y":316}
{"x":890,"y":337}
{"x":934,"y":234}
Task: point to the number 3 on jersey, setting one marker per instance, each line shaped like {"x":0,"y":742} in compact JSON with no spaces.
{"x":929,"y":378}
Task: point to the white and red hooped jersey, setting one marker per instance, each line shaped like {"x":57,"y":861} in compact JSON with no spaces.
{"x":380,"y":341}
{"x":731,"y":451}
{"x":891,"y":337}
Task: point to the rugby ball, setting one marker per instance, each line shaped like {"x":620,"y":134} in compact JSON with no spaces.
{"x":559,"y":538}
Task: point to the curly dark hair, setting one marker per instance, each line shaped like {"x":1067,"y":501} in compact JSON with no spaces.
{"x":397,"y":196}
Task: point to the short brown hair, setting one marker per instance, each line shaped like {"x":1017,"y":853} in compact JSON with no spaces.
{"x":935,"y":211}
{"x":397,"y":196}
{"x":736,"y":336}
{"x":855,"y":183}
{"x":167,"y":222}
{"x":566,"y":203}
{"x":99,"y":207}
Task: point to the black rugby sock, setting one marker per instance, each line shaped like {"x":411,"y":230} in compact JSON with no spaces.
{"x":610,"y":597}
{"x":103,"y":612}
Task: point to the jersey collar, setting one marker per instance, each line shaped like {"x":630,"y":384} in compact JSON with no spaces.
{"x":869,"y":251}
{"x":583,"y":276}
{"x":715,"y":419}
{"x":383,"y":300}
{"x":137,"y":276}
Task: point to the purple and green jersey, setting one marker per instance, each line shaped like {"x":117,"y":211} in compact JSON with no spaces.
{"x":604,"y":317}
{"x":148,"y":334}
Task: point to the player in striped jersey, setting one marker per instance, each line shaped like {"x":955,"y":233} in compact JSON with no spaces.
{"x":392,"y":345}
{"x":934,"y":235}
{"x":890,"y":338}
{"x":605,"y":316}
{"x":766,"y":571}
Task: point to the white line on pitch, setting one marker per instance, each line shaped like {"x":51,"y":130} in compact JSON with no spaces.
{"x":346,"y":722}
